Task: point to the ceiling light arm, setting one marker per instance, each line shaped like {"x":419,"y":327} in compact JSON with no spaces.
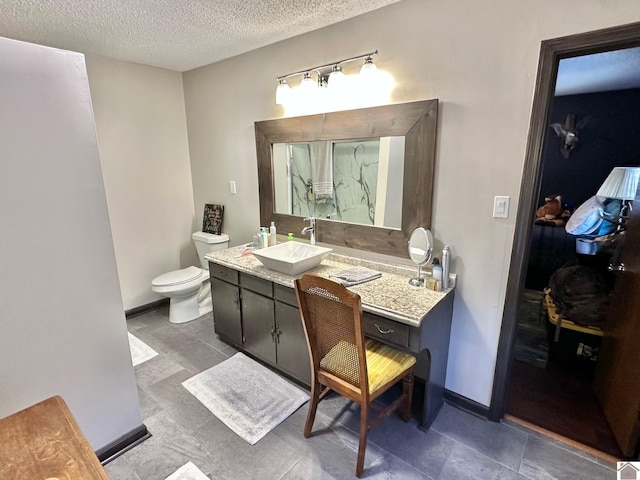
{"x":326,"y":65}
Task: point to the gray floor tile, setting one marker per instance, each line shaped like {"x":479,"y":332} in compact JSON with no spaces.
{"x":168,"y":449}
{"x":179,"y":403}
{"x":306,"y":469}
{"x":155,"y":370}
{"x":424,"y":451}
{"x":269,"y":458}
{"x":495,"y":440}
{"x":458,"y":445}
{"x":467,"y":464}
{"x":543,"y":461}
{"x":149,"y":406}
{"x":197,"y":356}
{"x":121,"y":469}
{"x":152,"y":317}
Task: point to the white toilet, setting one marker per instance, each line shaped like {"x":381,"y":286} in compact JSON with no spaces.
{"x":188,"y":289}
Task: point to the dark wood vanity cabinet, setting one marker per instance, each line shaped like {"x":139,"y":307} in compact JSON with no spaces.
{"x":225,"y":295}
{"x":260,"y":318}
{"x":292,"y":351}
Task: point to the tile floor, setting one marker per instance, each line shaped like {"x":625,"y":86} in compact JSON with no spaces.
{"x":458,"y":446}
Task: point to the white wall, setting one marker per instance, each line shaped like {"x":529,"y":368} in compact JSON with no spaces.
{"x":63,"y":330}
{"x":480,"y":59}
{"x":141,"y":127}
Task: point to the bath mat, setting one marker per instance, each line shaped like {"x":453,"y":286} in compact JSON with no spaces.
{"x":248,"y":398}
{"x":188,"y":472}
{"x":140,"y":351}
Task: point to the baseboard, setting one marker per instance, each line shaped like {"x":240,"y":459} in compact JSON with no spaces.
{"x":466,"y":404}
{"x":123,"y":444}
{"x":132,"y":312}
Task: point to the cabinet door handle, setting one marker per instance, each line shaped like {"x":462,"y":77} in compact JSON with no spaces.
{"x":278,"y":332}
{"x":384,"y":332}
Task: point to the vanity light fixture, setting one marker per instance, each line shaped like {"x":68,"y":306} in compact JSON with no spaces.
{"x":328,"y":75}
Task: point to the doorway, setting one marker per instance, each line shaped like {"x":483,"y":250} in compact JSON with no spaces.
{"x":539,"y":143}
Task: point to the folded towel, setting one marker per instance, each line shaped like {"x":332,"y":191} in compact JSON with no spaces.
{"x":355,"y":275}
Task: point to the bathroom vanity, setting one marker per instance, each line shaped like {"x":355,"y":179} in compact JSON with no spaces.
{"x":255,"y":310}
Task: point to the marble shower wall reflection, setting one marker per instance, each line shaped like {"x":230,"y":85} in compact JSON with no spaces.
{"x":366,"y":176}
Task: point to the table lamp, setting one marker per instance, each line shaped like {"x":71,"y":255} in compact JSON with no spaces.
{"x":621,"y":184}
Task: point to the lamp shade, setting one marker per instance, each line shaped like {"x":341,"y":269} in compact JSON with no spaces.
{"x":622,"y":183}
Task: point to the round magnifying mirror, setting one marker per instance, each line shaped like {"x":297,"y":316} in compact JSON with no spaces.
{"x":420,"y":248}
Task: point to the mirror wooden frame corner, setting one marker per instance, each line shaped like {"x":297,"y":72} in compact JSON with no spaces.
{"x":416,"y":121}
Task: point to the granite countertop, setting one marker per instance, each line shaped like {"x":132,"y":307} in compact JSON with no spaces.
{"x":390,"y":295}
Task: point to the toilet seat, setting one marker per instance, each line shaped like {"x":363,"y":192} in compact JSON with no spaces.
{"x":178,"y":277}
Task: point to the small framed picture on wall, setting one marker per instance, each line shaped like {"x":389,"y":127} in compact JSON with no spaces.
{"x":212,"y":220}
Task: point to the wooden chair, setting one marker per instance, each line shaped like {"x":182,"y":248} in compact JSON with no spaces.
{"x":343,"y":361}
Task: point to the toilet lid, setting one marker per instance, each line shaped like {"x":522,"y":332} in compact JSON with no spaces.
{"x":177,"y":277}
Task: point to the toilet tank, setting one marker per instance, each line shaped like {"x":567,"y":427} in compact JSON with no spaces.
{"x":208,"y":242}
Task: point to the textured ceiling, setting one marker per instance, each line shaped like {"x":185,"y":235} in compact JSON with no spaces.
{"x":601,"y":72}
{"x":175,"y":34}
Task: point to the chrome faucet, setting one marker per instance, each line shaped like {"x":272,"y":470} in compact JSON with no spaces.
{"x":311,"y":228}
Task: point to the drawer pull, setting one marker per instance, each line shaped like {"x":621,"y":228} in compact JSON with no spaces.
{"x":384,"y":332}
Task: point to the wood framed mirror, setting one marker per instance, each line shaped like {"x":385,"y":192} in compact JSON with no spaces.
{"x":415,"y":121}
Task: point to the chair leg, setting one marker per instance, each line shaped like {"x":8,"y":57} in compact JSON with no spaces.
{"x":316,"y":389}
{"x":407,"y":390}
{"x":364,"y":431}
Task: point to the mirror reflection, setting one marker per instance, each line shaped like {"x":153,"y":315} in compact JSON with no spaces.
{"x":357,"y":181}
{"x":355,"y":202}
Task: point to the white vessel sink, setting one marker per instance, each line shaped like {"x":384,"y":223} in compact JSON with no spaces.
{"x":292,"y":258}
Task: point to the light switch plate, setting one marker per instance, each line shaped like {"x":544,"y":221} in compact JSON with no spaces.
{"x":501,"y":207}
{"x":232,"y":187}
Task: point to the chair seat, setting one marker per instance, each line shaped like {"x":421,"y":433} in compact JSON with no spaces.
{"x":384,"y":363}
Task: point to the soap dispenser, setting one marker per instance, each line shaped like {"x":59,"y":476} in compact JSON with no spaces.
{"x":272,"y":234}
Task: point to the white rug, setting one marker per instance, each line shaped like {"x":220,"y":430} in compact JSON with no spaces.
{"x":140,"y":351}
{"x":187,"y":472}
{"x":248,"y":398}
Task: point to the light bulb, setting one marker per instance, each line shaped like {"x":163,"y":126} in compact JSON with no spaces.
{"x":336,"y":78}
{"x":308,"y":84}
{"x":283,"y":91}
{"x":369,"y":68}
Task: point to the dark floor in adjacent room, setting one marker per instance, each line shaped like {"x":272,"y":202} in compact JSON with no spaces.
{"x":554,"y":392}
{"x":458,"y":446}
{"x":561,"y":401}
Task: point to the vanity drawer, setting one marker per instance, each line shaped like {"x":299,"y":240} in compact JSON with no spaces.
{"x":257,"y":285}
{"x":385,"y":330}
{"x":223,"y":273}
{"x":285,"y":295}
